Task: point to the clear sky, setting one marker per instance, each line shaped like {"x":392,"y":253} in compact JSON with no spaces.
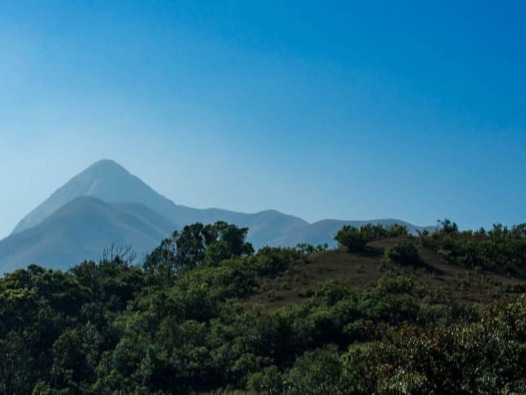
{"x":343,"y":109}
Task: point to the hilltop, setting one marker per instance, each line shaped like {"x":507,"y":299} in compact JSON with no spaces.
{"x":437,"y":278}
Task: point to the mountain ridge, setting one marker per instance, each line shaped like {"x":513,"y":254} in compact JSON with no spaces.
{"x":125,"y":209}
{"x":98,"y":180}
{"x":109,"y":181}
{"x":81,"y":230}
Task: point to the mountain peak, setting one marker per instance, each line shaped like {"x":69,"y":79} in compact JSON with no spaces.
{"x":106,"y":180}
{"x":106,"y":165}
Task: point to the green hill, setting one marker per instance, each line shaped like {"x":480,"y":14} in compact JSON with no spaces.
{"x":437,"y":279}
{"x":387,"y":313}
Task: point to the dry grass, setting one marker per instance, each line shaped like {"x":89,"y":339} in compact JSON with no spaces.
{"x":440,"y":281}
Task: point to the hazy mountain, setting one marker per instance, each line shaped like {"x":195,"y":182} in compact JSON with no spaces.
{"x":83,"y":229}
{"x":105,"y":205}
{"x":105,"y":180}
{"x":323,"y":231}
{"x":110,"y":182}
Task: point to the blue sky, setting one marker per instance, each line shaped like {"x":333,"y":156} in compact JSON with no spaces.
{"x":352,"y":110}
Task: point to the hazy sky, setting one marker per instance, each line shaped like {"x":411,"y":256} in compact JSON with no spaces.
{"x":345,"y":109}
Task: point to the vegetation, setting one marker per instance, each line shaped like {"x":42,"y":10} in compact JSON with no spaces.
{"x":500,"y":250}
{"x":356,"y":239}
{"x":403,"y":253}
{"x":206,"y":313}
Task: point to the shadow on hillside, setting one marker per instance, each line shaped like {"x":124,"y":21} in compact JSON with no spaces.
{"x":371,"y":252}
{"x":420,"y":265}
{"x":429,"y":268}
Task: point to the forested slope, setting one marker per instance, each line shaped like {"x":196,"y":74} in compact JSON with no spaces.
{"x":385,"y":313}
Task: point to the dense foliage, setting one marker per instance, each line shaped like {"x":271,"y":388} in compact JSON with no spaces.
{"x":500,"y":249}
{"x":179,"y":323}
{"x":356,"y":238}
{"x":403,"y":253}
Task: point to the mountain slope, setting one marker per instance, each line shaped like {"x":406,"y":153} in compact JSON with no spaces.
{"x":105,"y":180}
{"x":81,"y":230}
{"x":110,"y":182}
{"x":106,"y":204}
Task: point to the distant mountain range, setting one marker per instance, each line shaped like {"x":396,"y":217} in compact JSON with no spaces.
{"x":106,"y":205}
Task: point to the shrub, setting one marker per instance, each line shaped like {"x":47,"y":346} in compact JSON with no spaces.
{"x":353,"y":238}
{"x":396,"y":230}
{"x":403,"y":253}
{"x":266,"y":381}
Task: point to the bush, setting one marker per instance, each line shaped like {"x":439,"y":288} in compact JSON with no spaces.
{"x":403,"y":253}
{"x":353,"y":238}
{"x":267,"y":381}
{"x":356,"y":239}
{"x":396,"y":230}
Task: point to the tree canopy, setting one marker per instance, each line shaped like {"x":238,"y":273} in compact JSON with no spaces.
{"x":180,"y":322}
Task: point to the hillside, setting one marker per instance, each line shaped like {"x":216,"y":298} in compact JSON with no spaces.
{"x":438,"y":313}
{"x":81,"y":230}
{"x":444,"y":282}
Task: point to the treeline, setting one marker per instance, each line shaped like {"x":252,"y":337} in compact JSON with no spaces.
{"x":179,"y":323}
{"x":501,"y":249}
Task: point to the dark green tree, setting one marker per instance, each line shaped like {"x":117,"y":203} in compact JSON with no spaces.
{"x":355,"y":239}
